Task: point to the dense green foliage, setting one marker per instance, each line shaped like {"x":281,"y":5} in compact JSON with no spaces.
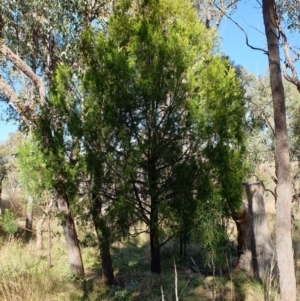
{"x":33,"y":173}
{"x":164,"y":118}
{"x":149,"y":130}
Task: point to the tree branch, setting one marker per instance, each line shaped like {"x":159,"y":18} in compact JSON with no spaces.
{"x":219,"y":18}
{"x":18,"y":63}
{"x":246,"y":36}
{"x":289,"y":63}
{"x":13,"y":98}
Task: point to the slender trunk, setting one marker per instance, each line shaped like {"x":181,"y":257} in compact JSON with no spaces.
{"x":1,"y":181}
{"x":29,"y":218}
{"x":75,"y":259}
{"x":282,"y":160}
{"x":154,"y":230}
{"x":154,"y":237}
{"x":39,"y":226}
{"x":39,"y":233}
{"x":181,"y":246}
{"x":49,"y":241}
{"x":183,"y":242}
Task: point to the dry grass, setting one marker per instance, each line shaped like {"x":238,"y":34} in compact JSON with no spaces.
{"x":24,"y":274}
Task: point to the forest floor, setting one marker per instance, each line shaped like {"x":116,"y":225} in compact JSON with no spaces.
{"x":24,"y":272}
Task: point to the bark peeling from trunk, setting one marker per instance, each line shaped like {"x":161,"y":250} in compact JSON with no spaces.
{"x":255,"y":247}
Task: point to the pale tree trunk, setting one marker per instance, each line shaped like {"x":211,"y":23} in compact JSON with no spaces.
{"x":39,"y":226}
{"x":284,"y":247}
{"x":49,"y":241}
{"x":75,"y":259}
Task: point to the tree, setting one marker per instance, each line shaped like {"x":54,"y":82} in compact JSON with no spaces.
{"x":282,"y":159}
{"x":149,"y":80}
{"x":42,"y":45}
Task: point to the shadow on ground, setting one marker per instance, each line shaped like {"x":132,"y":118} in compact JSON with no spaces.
{"x":136,"y":283}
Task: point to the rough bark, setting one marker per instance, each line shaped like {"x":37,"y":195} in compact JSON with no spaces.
{"x":155,"y":250}
{"x":103,"y":235}
{"x":108,"y":276}
{"x":29,"y":218}
{"x":282,"y":159}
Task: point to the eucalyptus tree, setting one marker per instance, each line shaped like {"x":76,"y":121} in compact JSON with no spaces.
{"x":161,"y":105}
{"x":35,"y":38}
{"x":83,"y":122}
{"x":284,"y":188}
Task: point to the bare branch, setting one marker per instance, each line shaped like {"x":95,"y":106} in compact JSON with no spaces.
{"x":246,"y":36}
{"x":267,"y":189}
{"x":289,"y":63}
{"x":274,"y":178}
